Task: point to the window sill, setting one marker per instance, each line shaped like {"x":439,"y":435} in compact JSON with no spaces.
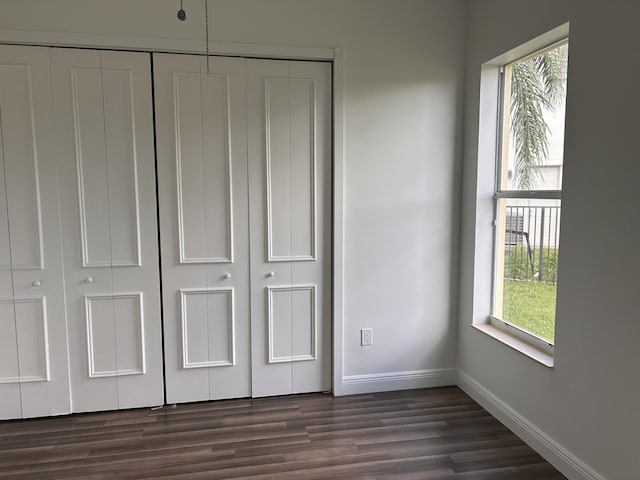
{"x":517,"y":342}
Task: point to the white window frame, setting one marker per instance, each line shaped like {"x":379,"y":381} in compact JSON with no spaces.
{"x":488,"y":194}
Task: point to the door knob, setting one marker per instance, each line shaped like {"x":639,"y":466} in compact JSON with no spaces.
{"x":271,"y":274}
{"x":36,"y":283}
{"x":226,"y":276}
{"x":88,"y":280}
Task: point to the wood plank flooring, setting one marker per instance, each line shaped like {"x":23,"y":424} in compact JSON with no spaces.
{"x":433,"y":434}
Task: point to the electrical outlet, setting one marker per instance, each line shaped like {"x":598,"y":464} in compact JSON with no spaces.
{"x":366,"y":337}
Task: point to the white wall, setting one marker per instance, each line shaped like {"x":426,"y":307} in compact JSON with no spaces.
{"x":586,"y":405}
{"x":403,"y":92}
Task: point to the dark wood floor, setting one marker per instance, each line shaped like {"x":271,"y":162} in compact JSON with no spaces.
{"x":420,"y":434}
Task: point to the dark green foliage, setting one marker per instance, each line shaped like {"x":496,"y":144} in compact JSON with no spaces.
{"x":519,"y":264}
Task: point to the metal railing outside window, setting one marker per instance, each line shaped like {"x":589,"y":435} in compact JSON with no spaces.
{"x":532,"y":243}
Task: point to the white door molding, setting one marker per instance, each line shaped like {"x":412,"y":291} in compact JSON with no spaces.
{"x":163,"y":45}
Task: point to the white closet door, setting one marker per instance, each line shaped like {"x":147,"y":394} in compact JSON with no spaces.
{"x":289,"y":139}
{"x":202,"y":172}
{"x":33,"y":361}
{"x":105,"y":142}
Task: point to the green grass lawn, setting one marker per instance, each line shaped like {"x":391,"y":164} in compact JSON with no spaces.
{"x":531,"y":306}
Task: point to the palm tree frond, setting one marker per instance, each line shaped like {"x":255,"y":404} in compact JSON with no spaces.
{"x":537,"y":84}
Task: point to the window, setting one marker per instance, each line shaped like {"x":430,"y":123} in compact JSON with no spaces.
{"x":528,"y":190}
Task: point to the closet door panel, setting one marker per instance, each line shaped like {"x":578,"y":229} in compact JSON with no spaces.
{"x":115,"y":347}
{"x":303,"y":170}
{"x":106,"y":167}
{"x":311,"y":211}
{"x":202,"y":171}
{"x":269,"y":189}
{"x":278,"y":179}
{"x":31,"y":331}
{"x":34,"y":372}
{"x":289,"y":172}
{"x":105,"y":132}
{"x":91,"y":166}
{"x":134,"y":230}
{"x":19,"y":163}
{"x":122,"y":138}
{"x":208,"y":328}
{"x":290,"y":168}
{"x":202,"y":112}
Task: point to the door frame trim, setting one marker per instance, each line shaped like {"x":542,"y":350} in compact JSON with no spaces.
{"x":162,"y":45}
{"x":334,"y":55}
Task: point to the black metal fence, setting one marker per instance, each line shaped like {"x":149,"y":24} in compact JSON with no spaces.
{"x":532,"y":243}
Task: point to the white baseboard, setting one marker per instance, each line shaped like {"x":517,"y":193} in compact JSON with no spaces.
{"x":565,"y":461}
{"x":385,"y":382}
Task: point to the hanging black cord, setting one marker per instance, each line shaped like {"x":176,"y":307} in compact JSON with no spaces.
{"x":206,"y":29}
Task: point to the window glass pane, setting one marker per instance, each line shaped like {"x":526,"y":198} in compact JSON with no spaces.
{"x":533,"y":126}
{"x":527,"y":235}
{"x":528,"y":247}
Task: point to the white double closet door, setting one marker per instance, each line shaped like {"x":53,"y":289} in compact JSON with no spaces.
{"x":78,"y":229}
{"x":243,"y":165}
{"x":243,"y":151}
